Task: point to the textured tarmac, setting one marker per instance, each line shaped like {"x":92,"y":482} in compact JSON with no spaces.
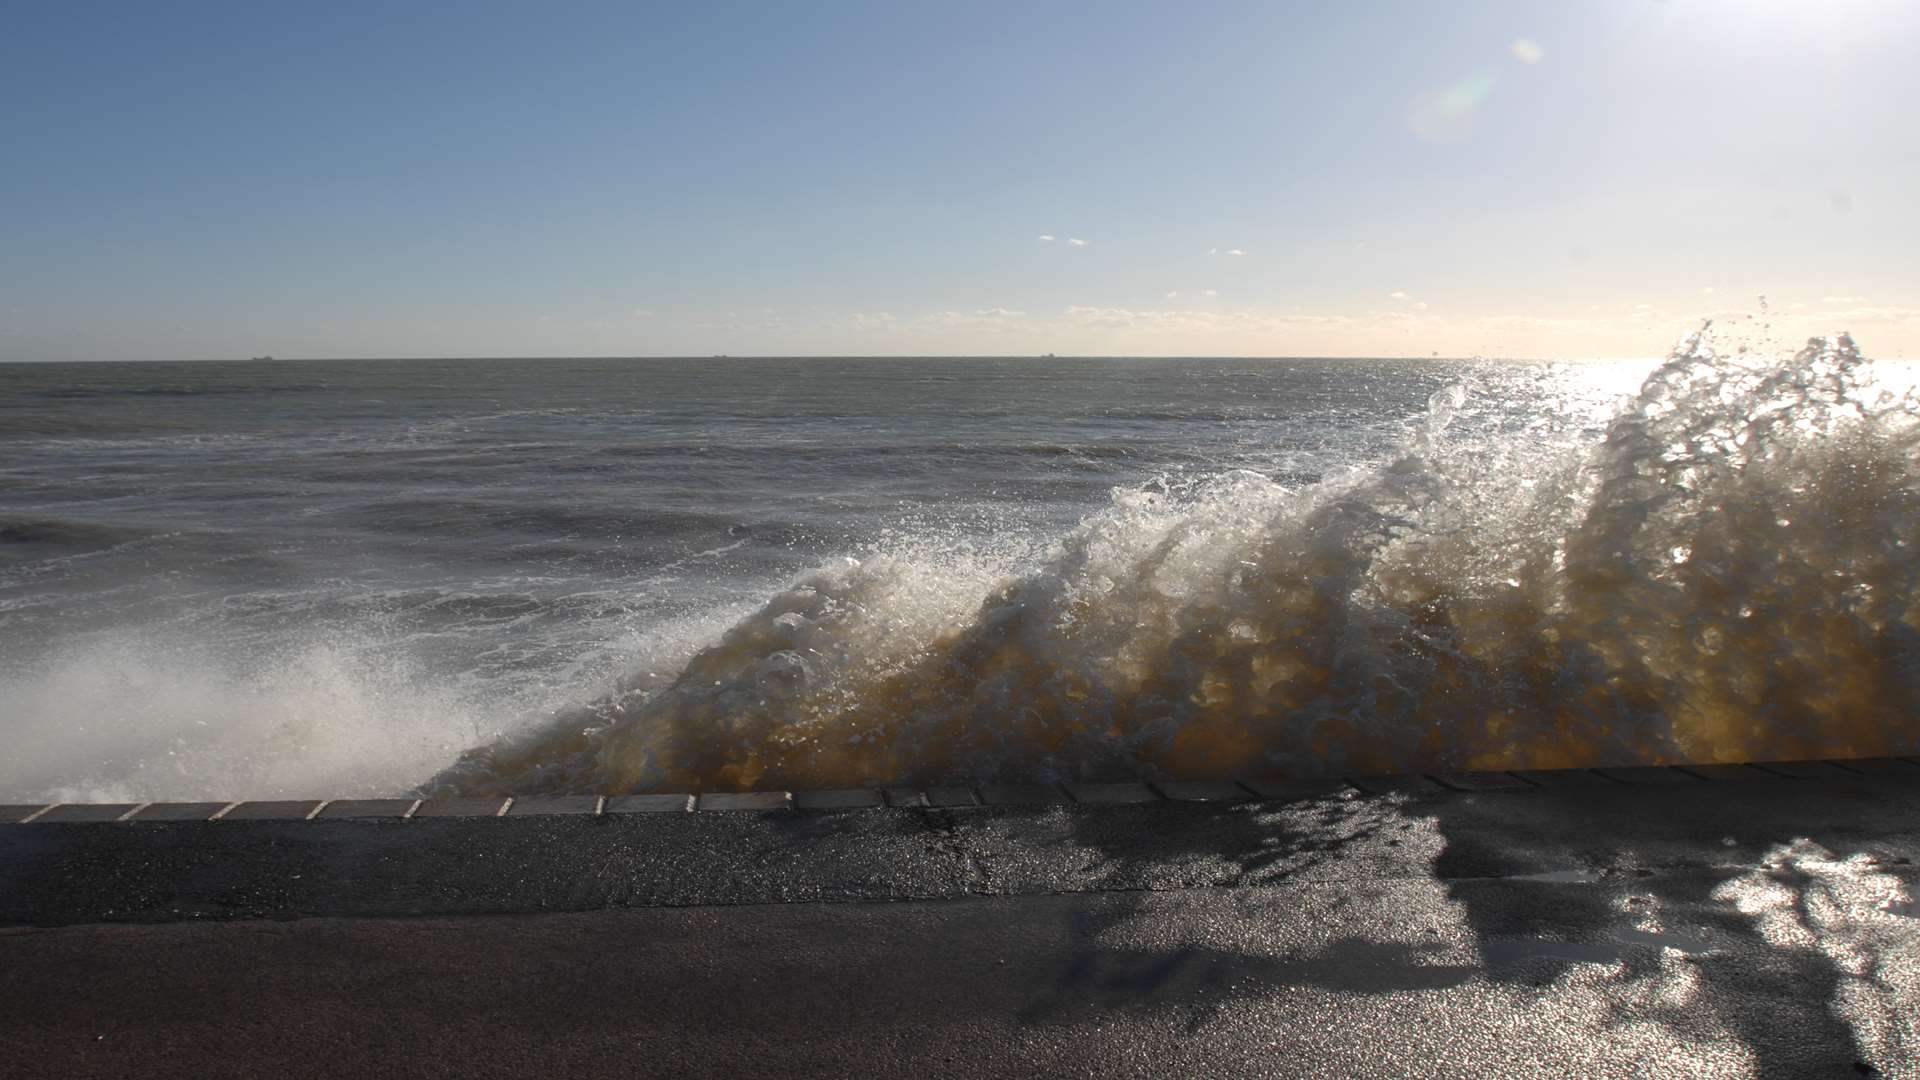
{"x":1711,"y":928}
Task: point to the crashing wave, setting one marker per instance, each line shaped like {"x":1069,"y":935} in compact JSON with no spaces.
{"x":1725,"y":572}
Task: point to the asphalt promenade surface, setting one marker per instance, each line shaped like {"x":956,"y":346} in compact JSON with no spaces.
{"x":1731,"y":924}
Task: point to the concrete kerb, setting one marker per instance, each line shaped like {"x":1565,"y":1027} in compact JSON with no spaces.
{"x":850,"y":799}
{"x":1897,"y":768}
{"x":548,"y":805}
{"x":733,"y":801}
{"x":1438,"y":785}
{"x":648,"y":804}
{"x":368,"y":809}
{"x":181,"y":811}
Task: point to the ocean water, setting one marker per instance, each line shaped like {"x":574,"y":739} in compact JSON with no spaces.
{"x":337,"y":578}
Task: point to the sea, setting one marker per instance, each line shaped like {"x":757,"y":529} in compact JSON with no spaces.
{"x":333,"y":578}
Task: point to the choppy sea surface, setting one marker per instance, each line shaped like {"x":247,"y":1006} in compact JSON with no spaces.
{"x":334,"y":578}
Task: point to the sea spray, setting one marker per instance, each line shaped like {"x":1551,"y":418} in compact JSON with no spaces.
{"x":1723,"y":571}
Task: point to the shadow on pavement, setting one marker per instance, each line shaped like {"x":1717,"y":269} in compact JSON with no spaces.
{"x":1768,"y":941}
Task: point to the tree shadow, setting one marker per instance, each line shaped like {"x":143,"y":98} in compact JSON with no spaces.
{"x":1681,"y":947}
{"x":1685,"y":948}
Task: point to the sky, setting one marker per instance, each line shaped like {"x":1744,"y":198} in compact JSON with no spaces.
{"x":1550,"y":179}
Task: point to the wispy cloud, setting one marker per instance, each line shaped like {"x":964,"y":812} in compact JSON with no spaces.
{"x":1046,"y":236}
{"x":1235,"y":251}
{"x":1076,"y":241}
{"x":991,"y":320}
{"x":1526,"y":51}
{"x":1396,"y":295}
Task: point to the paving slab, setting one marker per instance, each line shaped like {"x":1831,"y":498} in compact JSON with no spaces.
{"x":14,"y":812}
{"x":273,"y":810}
{"x":1565,"y":778}
{"x":900,"y":796}
{"x":745,"y":800}
{"x":1109,"y":794}
{"x":843,"y":799}
{"x":648,"y":804}
{"x":1484,"y":781}
{"x":1891,"y":767}
{"x":86,"y":812}
{"x":1023,"y":795}
{"x":1739,"y":774}
{"x":179,"y":811}
{"x":1293,"y":790}
{"x":471,"y":806}
{"x":366,"y":808}
{"x":546,"y":805}
{"x":952,"y":796}
{"x":1391,"y":785}
{"x":1648,"y":775}
{"x":1202,"y":790}
{"x":1802,"y":770}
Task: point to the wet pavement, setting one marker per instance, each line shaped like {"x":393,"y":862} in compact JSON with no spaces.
{"x":1714,"y":929}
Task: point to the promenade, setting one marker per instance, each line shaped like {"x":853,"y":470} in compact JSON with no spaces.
{"x":1718,"y":921}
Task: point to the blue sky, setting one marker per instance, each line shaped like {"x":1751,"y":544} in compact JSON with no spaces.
{"x":1518,"y":179}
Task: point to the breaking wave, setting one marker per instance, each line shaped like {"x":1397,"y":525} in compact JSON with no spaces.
{"x":1722,"y":571}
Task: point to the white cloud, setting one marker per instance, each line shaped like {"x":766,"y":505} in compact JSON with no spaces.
{"x":1076,"y":241}
{"x":1708,"y":291}
{"x":1235,"y":251}
{"x":1209,"y":292}
{"x":1046,"y":236}
{"x":1396,"y":295}
{"x":1213,"y":251}
{"x":992,"y":319}
{"x":1184,"y":321}
{"x":1527,"y":52}
{"x":1420,"y":306}
{"x":1173,"y":293}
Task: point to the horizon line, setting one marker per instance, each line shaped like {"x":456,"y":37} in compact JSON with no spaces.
{"x":831,"y":356}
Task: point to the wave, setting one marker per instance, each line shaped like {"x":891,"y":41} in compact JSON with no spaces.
{"x":132,"y":718}
{"x":120,"y":424}
{"x":65,"y":534}
{"x":1722,"y":571}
